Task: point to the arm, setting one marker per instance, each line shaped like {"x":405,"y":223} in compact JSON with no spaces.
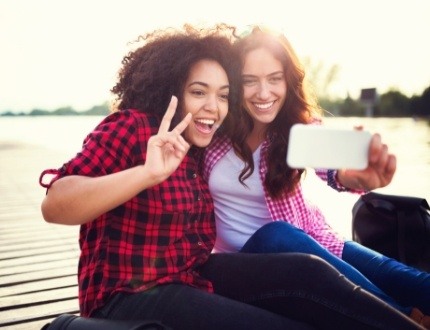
{"x":78,"y":199}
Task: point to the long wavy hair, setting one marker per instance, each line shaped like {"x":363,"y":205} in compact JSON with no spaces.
{"x":300,"y":107}
{"x":159,"y":68}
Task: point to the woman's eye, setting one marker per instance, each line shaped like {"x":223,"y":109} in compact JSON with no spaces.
{"x":197,"y":92}
{"x":276,"y":79}
{"x":248,"y":82}
{"x":224,"y":97}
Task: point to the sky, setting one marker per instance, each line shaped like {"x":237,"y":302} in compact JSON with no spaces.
{"x":57,"y":53}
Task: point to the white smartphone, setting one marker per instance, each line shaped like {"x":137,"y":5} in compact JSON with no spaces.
{"x":322,"y":147}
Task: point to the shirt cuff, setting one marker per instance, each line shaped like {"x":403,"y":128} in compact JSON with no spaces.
{"x":334,"y":183}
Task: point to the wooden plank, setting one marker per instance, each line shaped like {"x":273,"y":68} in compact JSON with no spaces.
{"x":36,"y":251}
{"x":24,"y":246}
{"x":39,"y":232}
{"x":50,"y":264}
{"x":15,"y":301}
{"x":34,"y":235}
{"x":27,"y":230}
{"x":47,"y":284}
{"x":20,"y":212}
{"x":28,"y":226}
{"x":29,"y":325}
{"x":38,"y":275}
{"x":22,"y":240}
{"x":20,"y":315}
{"x":18,"y":243}
{"x":39,"y":258}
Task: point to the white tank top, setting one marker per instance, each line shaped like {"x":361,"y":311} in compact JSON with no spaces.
{"x":239,"y":210}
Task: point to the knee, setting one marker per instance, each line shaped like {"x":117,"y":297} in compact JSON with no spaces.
{"x":277,"y":227}
{"x":283,"y":232}
{"x":308,"y":265}
{"x":316,"y":265}
{"x":277,"y":231}
{"x":279,"y":236}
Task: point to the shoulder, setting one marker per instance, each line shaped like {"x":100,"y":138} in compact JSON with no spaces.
{"x":132,"y":117}
{"x":217,"y":148}
{"x":218,"y":142}
{"x":124,"y":132}
{"x":129,"y":124}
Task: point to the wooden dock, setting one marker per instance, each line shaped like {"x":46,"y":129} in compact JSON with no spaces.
{"x":38,"y":261}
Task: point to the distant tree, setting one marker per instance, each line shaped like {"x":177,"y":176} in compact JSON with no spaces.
{"x":97,"y":110}
{"x":65,"y":111}
{"x":8,"y":114}
{"x":393,"y":104}
{"x":330,"y":106}
{"x":39,"y":112}
{"x":416,"y":106}
{"x":425,"y":103}
{"x":351,"y":108}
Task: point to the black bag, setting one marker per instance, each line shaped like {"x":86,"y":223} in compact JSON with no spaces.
{"x":73,"y":322}
{"x":396,"y":226}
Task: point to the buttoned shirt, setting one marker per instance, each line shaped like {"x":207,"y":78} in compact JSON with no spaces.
{"x":160,"y":236}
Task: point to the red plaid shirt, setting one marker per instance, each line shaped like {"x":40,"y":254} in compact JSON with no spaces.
{"x":160,"y":236}
{"x":294,"y":209}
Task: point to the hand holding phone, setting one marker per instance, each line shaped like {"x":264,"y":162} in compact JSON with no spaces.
{"x":317,"y":146}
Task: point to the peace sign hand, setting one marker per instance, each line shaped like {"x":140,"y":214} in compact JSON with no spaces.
{"x":166,"y":150}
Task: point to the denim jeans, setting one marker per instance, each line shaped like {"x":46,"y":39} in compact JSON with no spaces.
{"x":258,"y":291}
{"x":400,"y":286}
{"x":407,"y":285}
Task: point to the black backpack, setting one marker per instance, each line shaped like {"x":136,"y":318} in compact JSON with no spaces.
{"x":396,"y":226}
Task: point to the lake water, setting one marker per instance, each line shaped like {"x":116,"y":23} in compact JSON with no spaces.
{"x":409,"y":139}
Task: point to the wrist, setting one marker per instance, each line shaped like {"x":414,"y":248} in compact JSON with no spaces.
{"x":148,"y":177}
{"x":349,"y":184}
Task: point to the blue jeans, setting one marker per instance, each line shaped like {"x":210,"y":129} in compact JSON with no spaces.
{"x":407,"y":285}
{"x":401,"y":286}
{"x":259,"y":291}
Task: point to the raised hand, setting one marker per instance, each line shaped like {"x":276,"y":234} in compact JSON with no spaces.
{"x":167,"y":149}
{"x":379,"y":172}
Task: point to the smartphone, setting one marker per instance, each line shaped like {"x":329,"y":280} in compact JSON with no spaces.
{"x":322,"y":147}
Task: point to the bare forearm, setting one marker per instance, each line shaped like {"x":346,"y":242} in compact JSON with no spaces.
{"x":75,"y":200}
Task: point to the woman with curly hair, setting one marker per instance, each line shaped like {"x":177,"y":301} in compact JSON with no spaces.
{"x":146,"y":214}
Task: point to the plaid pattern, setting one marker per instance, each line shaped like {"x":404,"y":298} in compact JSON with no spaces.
{"x":294,"y":209}
{"x":160,"y":236}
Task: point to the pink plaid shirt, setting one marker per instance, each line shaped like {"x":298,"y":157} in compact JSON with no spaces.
{"x":294,"y":209}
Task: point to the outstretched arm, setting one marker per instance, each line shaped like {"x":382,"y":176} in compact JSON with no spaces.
{"x":75,"y":199}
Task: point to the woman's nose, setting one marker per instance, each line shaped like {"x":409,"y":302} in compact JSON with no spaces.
{"x":263,"y":91}
{"x":211,"y":103}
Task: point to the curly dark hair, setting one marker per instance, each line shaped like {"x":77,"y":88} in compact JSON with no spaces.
{"x":300,"y":107}
{"x":159,"y":68}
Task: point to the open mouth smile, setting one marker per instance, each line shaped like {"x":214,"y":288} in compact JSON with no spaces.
{"x":264,"y":106}
{"x":204,"y":125}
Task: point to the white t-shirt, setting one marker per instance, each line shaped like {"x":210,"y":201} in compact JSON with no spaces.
{"x":239,"y":210}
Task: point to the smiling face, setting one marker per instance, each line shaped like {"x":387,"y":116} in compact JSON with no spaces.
{"x":206,"y":98}
{"x":264,"y":86}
